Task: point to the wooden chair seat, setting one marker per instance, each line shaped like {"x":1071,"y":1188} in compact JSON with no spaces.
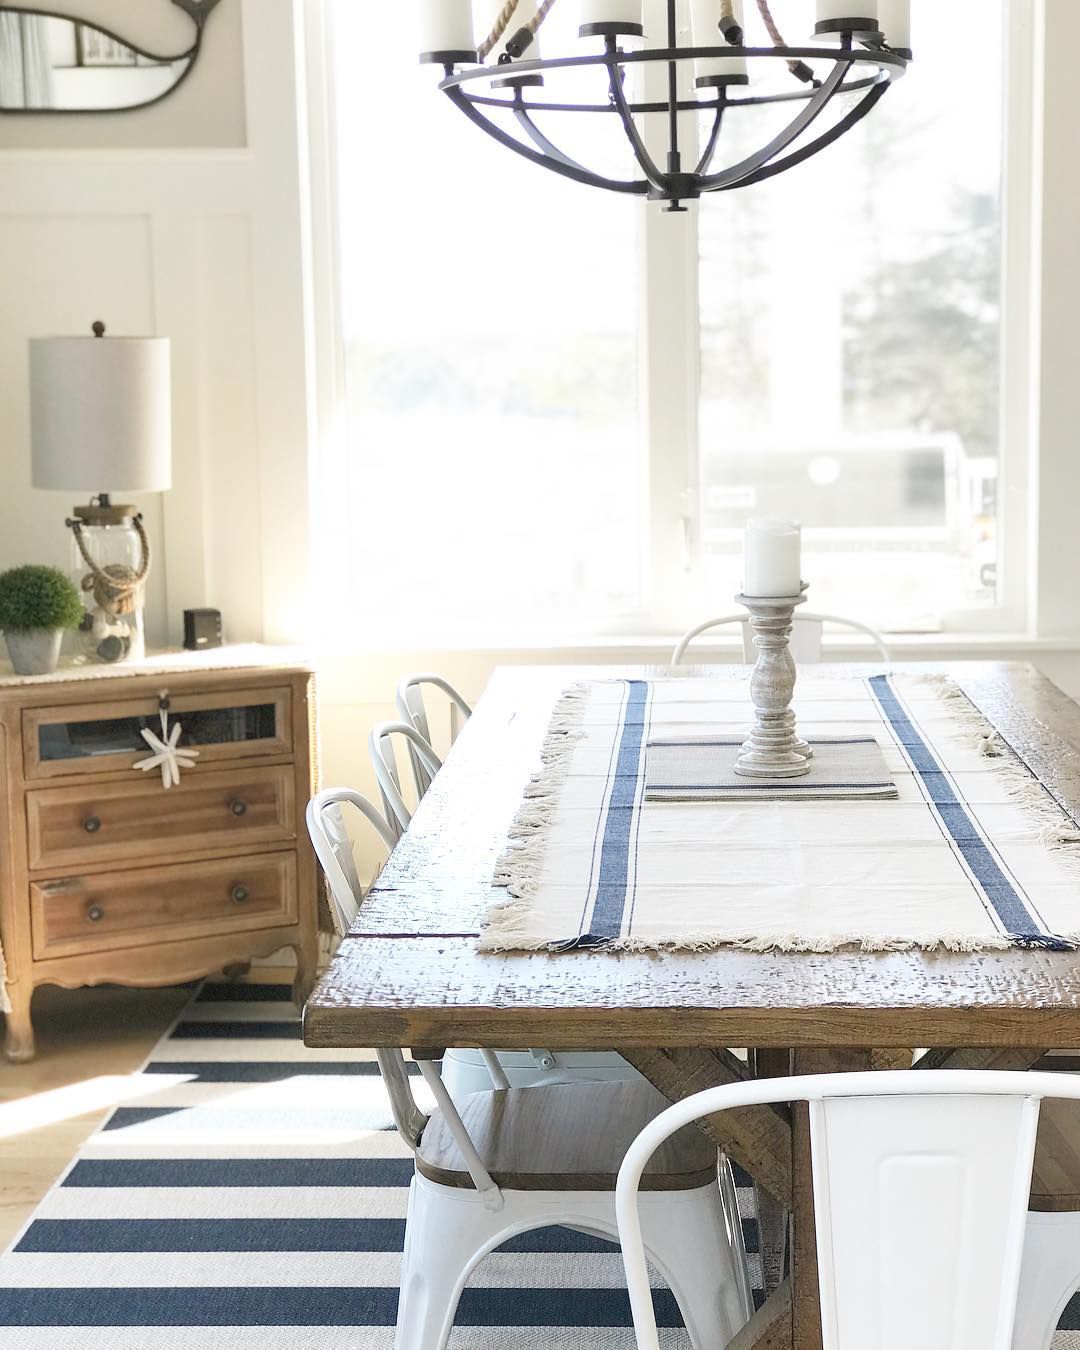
{"x":1055,"y":1178}
{"x":569,"y":1137}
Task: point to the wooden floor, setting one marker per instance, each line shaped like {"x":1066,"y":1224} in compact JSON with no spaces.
{"x":83,"y":1035}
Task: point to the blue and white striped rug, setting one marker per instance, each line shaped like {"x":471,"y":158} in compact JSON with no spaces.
{"x":257,"y":1188}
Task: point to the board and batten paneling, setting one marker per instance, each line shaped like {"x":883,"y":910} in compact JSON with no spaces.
{"x":203,"y":245}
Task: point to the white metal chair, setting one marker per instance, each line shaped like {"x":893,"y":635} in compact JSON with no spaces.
{"x":384,"y":762}
{"x":412,"y":708}
{"x":333,"y":848}
{"x":509,"y":1161}
{"x":806,"y":636}
{"x":512,"y":1160}
{"x":921,"y":1185}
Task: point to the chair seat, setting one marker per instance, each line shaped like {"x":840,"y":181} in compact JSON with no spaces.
{"x":1055,"y":1178}
{"x":570,"y":1137}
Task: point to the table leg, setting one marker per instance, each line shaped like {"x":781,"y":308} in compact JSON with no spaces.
{"x":772,"y":1216}
{"x":997,"y":1057}
{"x":758,"y":1138}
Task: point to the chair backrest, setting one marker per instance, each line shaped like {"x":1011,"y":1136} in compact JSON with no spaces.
{"x":333,"y":848}
{"x":412,"y":709}
{"x":806,"y":636}
{"x":921,"y":1185}
{"x":381,"y":744}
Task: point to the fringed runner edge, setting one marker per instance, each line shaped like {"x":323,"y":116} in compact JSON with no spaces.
{"x":519,"y":867}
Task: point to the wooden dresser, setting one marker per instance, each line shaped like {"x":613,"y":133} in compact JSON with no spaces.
{"x":106,"y":875}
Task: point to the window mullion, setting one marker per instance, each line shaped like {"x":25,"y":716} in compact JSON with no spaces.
{"x":669,"y":362}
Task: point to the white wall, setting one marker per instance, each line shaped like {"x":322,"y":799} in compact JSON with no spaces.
{"x":182,"y":220}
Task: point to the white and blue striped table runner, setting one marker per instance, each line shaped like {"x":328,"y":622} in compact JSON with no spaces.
{"x":973,"y":855}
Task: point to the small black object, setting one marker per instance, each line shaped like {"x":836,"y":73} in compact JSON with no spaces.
{"x":239,"y":894}
{"x":112,"y":648}
{"x":202,"y":628}
{"x":92,"y":824}
{"x":95,"y":913}
{"x":238,"y":807}
{"x":732,"y":32}
{"x":97,"y":328}
{"x":519,"y":44}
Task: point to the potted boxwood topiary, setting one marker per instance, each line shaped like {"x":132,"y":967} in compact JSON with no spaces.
{"x":36,"y":605}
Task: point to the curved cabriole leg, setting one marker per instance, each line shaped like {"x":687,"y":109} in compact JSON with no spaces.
{"x":19,"y":1031}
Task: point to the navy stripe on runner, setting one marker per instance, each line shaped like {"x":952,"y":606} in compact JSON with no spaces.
{"x":1018,"y":921}
{"x":111,"y":1172}
{"x":610,"y":903}
{"x":196,"y":1305}
{"x":73,"y":1236}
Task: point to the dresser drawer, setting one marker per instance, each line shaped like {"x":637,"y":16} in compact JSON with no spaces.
{"x":104,"y":822}
{"x":106,"y":736}
{"x":161,"y":904}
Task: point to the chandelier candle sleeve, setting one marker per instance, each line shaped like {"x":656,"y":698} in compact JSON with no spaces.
{"x":849,"y":16}
{"x":518,"y":28}
{"x":611,"y":17}
{"x":894,"y":17}
{"x":445,"y":28}
{"x":773,"y":561}
{"x":705,"y":18}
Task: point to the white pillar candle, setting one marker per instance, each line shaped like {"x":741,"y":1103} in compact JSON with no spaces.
{"x":446,"y":26}
{"x":862,"y":13}
{"x":705,"y":30}
{"x":773,"y":561}
{"x":894,"y":17}
{"x":624,"y":16}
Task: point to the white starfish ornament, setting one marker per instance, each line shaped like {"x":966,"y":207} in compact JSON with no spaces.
{"x":166,"y":752}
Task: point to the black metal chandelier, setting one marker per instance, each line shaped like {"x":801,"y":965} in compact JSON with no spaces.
{"x":860,"y":47}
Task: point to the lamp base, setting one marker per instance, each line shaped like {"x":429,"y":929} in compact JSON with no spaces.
{"x":110,"y":563}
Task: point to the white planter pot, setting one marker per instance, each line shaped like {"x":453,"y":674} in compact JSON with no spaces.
{"x":35,"y":651}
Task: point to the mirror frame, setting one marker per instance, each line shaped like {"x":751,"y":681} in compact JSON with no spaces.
{"x":197,"y":10}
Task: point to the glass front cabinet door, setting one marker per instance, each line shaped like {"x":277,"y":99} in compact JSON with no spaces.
{"x":105,"y":736}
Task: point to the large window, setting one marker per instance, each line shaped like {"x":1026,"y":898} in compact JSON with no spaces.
{"x":851,"y":368}
{"x":506,"y":468}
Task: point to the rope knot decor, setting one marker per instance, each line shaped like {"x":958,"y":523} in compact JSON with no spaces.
{"x":116,"y":588}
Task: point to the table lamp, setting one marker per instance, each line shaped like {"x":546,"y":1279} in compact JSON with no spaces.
{"x":100,"y":419}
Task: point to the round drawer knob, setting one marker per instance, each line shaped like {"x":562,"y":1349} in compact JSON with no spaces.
{"x":239,"y":894}
{"x":92,"y":824}
{"x":238,"y":807}
{"x":95,"y":913}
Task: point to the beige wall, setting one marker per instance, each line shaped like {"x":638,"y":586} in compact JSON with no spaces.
{"x":206,"y":110}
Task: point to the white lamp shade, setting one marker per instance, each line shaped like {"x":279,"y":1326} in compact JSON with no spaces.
{"x":101,"y":414}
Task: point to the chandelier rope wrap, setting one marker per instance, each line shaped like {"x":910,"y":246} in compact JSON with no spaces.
{"x":862,"y":64}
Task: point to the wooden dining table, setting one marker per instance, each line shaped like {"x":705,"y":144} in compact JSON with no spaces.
{"x":410,"y":974}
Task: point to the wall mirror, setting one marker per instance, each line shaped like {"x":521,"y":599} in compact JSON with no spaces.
{"x":56,"y":63}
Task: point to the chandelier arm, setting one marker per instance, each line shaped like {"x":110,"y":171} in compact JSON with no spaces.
{"x":546,"y":147}
{"x":865,"y":104}
{"x":568,"y":169}
{"x":816,"y":106}
{"x":714,"y":135}
{"x":637,"y":144}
